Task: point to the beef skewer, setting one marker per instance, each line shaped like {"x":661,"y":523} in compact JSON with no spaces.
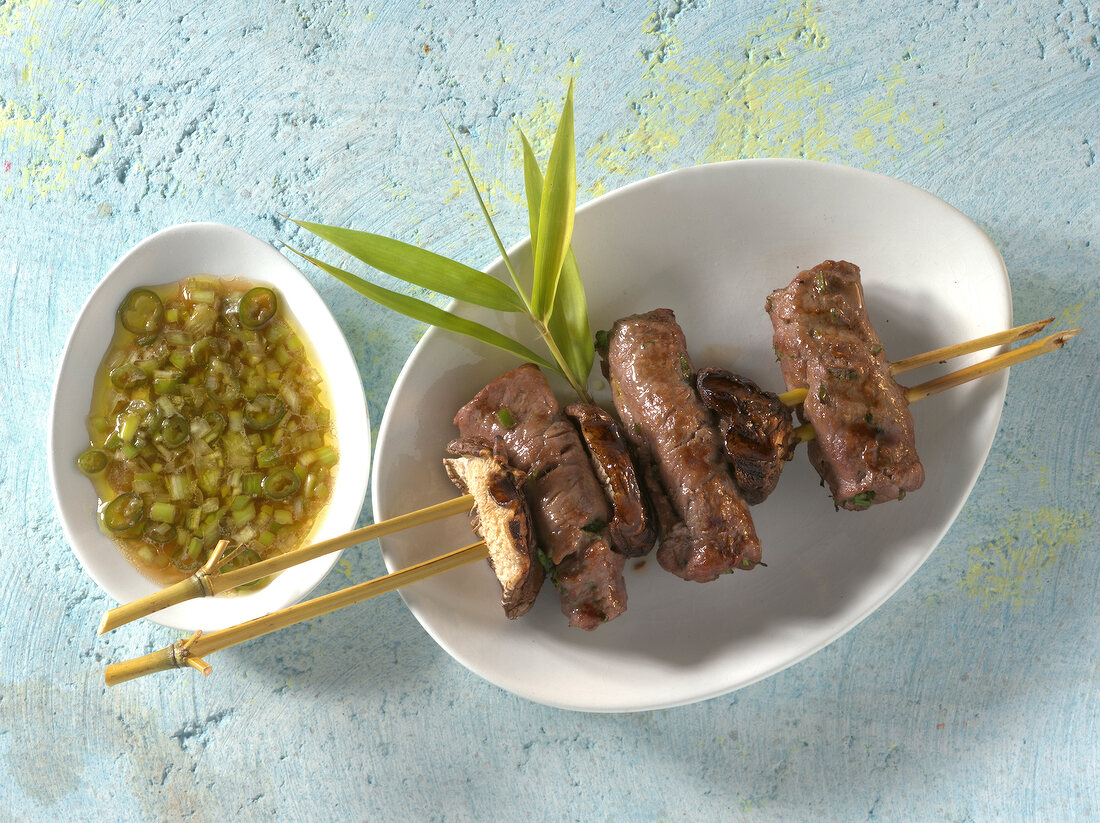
{"x":188,"y":652}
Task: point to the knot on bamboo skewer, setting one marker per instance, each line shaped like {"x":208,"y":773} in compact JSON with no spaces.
{"x":181,"y":655}
{"x":216,"y":560}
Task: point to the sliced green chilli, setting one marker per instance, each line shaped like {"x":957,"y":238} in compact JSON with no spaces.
{"x":257,"y":307}
{"x":127,"y":377}
{"x":159,"y":532}
{"x":216,"y":422}
{"x":92,"y":461}
{"x":221,"y":384}
{"x":281,"y":483}
{"x":263,"y":412}
{"x":207,"y":349}
{"x":124,"y":512}
{"x":175,"y":431}
{"x":142,"y":313}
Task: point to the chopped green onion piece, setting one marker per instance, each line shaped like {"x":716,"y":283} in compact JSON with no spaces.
{"x":162,"y":512}
{"x":179,"y":486}
{"x":505,"y":418}
{"x":267,"y":458}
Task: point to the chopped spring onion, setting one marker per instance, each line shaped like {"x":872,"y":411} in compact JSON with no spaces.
{"x":206,"y":410}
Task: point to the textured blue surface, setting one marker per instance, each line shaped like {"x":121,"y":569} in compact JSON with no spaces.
{"x":971,"y":695}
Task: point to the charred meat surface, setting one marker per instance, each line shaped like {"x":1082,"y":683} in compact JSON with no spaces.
{"x":501,"y":518}
{"x":756,"y":430}
{"x":632,"y":529}
{"x":566,"y":500}
{"x":865,"y":446}
{"x":706,"y":526}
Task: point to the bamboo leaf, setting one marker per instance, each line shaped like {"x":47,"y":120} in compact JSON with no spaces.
{"x":489,"y":219}
{"x":568,"y":322}
{"x":427,"y":313}
{"x":532,"y":187}
{"x":559,"y":199}
{"x":420,"y":267}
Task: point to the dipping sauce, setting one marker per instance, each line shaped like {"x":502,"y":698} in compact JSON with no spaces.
{"x":209,"y":421}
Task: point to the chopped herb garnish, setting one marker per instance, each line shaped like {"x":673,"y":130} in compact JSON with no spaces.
{"x":875,"y":349}
{"x":603,"y":340}
{"x":819,"y":284}
{"x":901,"y":495}
{"x":685,"y":369}
{"x":868,"y":418}
{"x":862,"y":500}
{"x":822,"y":393}
{"x":768,"y":304}
{"x":595,"y":527}
{"x":505,"y":418}
{"x":844,"y":374}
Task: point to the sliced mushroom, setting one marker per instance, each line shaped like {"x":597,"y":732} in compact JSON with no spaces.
{"x":501,"y":518}
{"x":632,"y":530}
{"x":756,"y":429}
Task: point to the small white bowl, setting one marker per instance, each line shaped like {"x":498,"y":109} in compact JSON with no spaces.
{"x":165,"y":257}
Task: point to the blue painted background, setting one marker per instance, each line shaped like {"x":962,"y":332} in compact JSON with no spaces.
{"x":971,"y":695}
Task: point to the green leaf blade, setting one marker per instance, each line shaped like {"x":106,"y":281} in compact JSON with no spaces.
{"x":556,"y":213}
{"x":421,"y":267}
{"x":427,"y":313}
{"x":568,"y":322}
{"x":532,"y":187}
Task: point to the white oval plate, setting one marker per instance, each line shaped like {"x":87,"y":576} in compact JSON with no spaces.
{"x":164,"y":257}
{"x":711,"y":242}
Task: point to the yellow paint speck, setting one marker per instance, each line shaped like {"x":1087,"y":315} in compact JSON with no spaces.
{"x":1072,"y":316}
{"x":1007,"y":569}
{"x":50,"y":142}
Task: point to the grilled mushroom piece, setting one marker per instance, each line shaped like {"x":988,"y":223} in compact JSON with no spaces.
{"x":756,"y":429}
{"x":632,"y":529}
{"x":500,"y":517}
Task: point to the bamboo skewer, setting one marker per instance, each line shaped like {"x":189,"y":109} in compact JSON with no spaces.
{"x":796,"y":396}
{"x":208,"y":581}
{"x":189,"y":652}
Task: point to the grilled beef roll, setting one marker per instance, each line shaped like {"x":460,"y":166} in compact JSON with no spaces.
{"x":865,"y":447}
{"x":566,"y":500}
{"x":706,"y":526}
